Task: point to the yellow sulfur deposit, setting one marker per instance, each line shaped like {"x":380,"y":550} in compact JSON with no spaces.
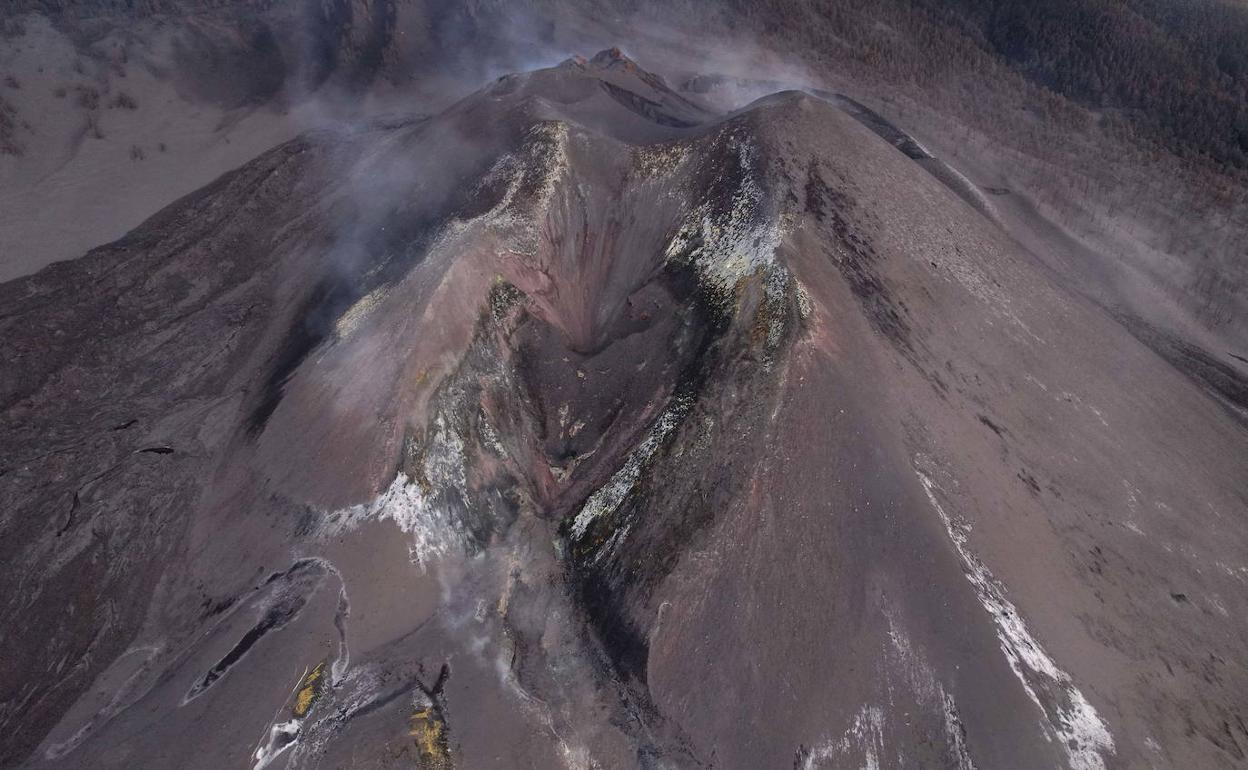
{"x":308,"y":690}
{"x":430,"y":733}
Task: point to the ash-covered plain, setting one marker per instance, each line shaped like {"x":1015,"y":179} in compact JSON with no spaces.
{"x":582,"y":424}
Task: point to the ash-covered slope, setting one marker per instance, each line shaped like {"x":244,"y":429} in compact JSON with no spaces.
{"x":580,"y":426}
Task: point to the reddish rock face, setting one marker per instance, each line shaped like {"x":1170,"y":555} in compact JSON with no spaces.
{"x":579,"y":425}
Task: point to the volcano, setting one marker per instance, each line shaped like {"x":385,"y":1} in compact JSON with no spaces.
{"x":584,"y":425}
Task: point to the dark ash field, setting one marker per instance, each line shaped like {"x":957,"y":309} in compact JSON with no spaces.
{"x":605,"y":415}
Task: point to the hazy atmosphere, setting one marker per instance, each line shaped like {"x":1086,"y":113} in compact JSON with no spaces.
{"x":623,"y":384}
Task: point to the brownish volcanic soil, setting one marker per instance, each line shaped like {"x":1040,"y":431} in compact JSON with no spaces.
{"x":581,"y":425}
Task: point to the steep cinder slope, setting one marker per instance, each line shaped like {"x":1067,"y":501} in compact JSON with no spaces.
{"x":578,"y":425}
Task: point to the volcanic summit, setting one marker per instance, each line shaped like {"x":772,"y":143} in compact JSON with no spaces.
{"x":583,"y":423}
